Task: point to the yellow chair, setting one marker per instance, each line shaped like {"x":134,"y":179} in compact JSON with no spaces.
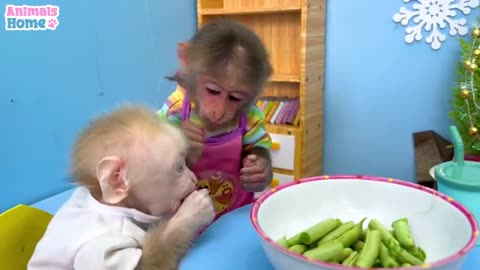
{"x":21,"y":227}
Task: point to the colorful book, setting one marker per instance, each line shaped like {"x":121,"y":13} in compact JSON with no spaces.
{"x":277,"y":111}
{"x":281,"y":114}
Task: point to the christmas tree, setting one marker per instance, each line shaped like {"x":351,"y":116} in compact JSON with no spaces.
{"x":466,"y":94}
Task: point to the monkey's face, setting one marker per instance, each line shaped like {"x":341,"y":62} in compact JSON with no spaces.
{"x":182,"y":182}
{"x":165,"y":179}
{"x":218,"y":104}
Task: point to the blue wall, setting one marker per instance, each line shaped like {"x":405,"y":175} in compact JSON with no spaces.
{"x":378,"y":89}
{"x":103,"y":53}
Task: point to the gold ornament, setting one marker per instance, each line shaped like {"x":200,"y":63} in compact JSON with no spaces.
{"x":473,"y":131}
{"x":465,"y":93}
{"x":476,"y":52}
{"x":467,"y":64}
{"x":473,"y":67}
{"x":476,"y":33}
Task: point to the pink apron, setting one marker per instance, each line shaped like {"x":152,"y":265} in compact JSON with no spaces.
{"x":218,"y":168}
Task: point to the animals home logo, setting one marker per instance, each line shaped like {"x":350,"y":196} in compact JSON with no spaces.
{"x":31,"y":18}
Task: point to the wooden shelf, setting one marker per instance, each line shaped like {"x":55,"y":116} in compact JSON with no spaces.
{"x":283,"y":129}
{"x":250,"y":10}
{"x":285,"y":78}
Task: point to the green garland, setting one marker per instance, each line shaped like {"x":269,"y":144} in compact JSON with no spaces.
{"x":466,"y":94}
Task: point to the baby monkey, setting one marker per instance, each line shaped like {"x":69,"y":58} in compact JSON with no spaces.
{"x":136,"y":206}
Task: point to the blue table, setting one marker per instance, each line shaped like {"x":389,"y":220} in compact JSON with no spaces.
{"x":229,"y":243}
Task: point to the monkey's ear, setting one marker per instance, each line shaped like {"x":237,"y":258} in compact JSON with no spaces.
{"x":182,"y":53}
{"x":111,"y":174}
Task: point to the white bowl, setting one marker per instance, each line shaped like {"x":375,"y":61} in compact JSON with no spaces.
{"x":444,"y":228}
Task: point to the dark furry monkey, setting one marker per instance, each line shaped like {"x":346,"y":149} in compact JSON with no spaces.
{"x":137,"y":206}
{"x":224,"y":68}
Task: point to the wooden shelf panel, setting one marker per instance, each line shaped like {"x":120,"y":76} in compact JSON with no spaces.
{"x":283,"y":171}
{"x":285,"y":78}
{"x":249,"y":10}
{"x":261,"y":6}
{"x":281,"y":35}
{"x":283,"y":129}
{"x":281,"y":89}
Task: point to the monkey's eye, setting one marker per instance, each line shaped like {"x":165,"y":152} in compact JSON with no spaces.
{"x":212,"y":88}
{"x":234,"y":98}
{"x":180,"y":167}
{"x":212,"y":91}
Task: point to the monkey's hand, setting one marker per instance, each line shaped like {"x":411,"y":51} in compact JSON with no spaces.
{"x":256,"y":173}
{"x":167,"y":243}
{"x":196,"y":211}
{"x":196,"y":135}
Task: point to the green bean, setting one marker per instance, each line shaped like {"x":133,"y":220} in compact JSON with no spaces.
{"x":401,"y":254}
{"x":358,"y":245}
{"x":374,"y":224}
{"x":401,"y":231}
{"x":370,"y":251}
{"x":418,"y":252}
{"x":299,"y":248}
{"x":377,"y":263}
{"x":350,"y":260}
{"x":350,"y":244}
{"x":346,"y":252}
{"x":325,"y":252}
{"x":351,"y":236}
{"x":294,"y":240}
{"x":364,"y":234}
{"x":337,"y":232}
{"x":319,"y":230}
{"x":283,"y":242}
{"x":313,"y":245}
{"x":385,"y":258}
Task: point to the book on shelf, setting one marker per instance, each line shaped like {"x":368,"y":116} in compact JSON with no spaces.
{"x":280,"y":110}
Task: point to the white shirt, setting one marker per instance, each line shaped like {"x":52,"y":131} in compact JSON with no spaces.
{"x":87,"y":235}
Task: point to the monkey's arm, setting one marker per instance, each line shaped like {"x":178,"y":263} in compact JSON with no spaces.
{"x":257,"y":141}
{"x":165,"y":245}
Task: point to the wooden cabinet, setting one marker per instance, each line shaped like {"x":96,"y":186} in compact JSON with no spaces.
{"x":294,"y":33}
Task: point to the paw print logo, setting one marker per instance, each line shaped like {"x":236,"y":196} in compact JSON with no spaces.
{"x":52,"y":24}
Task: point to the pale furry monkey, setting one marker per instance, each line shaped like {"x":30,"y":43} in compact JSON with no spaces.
{"x":137,"y":206}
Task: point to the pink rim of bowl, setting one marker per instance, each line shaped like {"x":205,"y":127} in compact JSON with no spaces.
{"x":473,"y":223}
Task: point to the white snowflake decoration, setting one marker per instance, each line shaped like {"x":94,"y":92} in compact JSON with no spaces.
{"x":433,"y":15}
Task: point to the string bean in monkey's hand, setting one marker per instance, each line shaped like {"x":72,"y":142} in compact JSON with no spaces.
{"x":362,"y":245}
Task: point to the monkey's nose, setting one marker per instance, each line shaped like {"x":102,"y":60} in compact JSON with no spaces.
{"x":218,"y":116}
{"x":194,"y":180}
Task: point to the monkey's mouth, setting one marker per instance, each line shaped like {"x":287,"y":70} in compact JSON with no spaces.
{"x":182,"y":199}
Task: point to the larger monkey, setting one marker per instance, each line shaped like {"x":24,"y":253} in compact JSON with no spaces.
{"x":134,"y":209}
{"x":224,"y":68}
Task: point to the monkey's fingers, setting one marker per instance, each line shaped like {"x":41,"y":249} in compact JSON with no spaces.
{"x":251,"y":157}
{"x":190,"y":126}
{"x":250,"y":170}
{"x":248,"y":163}
{"x":252,"y":178}
{"x":195,"y":138}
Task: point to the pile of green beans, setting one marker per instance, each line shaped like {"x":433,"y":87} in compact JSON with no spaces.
{"x":349,"y":244}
